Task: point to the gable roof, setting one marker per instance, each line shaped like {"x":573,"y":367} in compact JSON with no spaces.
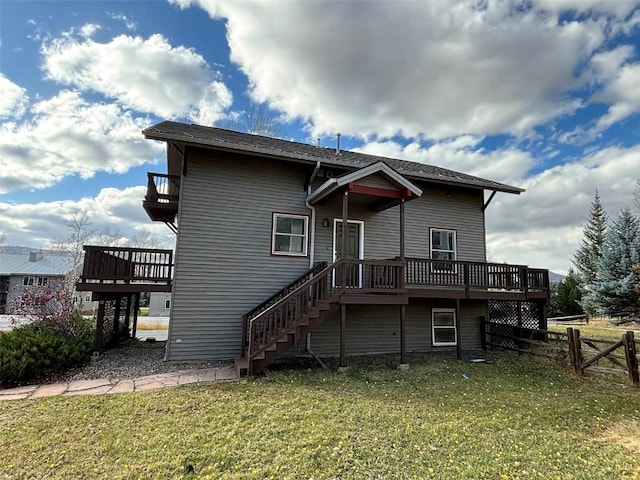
{"x":231,"y":141}
{"x":379,"y":167}
{"x":48,"y":265}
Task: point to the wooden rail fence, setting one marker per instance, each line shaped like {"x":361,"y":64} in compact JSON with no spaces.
{"x":581,"y":353}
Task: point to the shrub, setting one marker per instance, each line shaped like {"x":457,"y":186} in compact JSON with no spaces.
{"x":34,"y":351}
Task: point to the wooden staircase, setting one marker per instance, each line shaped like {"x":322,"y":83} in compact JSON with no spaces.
{"x":284,"y":319}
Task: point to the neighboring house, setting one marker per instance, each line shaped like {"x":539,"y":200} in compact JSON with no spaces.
{"x":159,"y":304}
{"x":20,"y":270}
{"x":288,"y":247}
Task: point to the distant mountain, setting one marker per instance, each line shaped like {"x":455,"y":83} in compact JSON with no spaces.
{"x":555,"y":277}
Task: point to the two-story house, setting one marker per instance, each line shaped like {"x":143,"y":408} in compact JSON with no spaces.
{"x":289,"y":247}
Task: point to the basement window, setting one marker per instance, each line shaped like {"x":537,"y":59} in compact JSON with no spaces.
{"x":289,"y":234}
{"x":443,"y":327}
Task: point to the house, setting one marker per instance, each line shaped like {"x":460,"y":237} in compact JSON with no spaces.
{"x":159,"y":304}
{"x":288,"y":247}
{"x":20,"y":270}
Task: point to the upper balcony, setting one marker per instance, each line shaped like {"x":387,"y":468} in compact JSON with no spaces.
{"x":161,"y":200}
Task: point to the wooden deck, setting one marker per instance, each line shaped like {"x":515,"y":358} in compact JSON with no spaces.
{"x":161,"y":200}
{"x":126,"y":270}
{"x":395,"y":281}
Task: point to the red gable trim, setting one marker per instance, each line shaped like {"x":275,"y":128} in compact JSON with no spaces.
{"x":379,"y":192}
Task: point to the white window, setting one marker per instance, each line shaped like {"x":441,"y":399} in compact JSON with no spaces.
{"x":40,"y":281}
{"x":87,"y":298}
{"x":167,"y":304}
{"x":26,"y":281}
{"x":443,"y":327}
{"x":289,"y":235}
{"x":443,"y":247}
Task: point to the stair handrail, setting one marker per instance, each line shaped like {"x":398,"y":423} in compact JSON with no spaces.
{"x":320,"y":276}
{"x":317,"y":267}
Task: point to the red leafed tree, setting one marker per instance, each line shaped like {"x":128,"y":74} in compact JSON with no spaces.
{"x":50,"y":306}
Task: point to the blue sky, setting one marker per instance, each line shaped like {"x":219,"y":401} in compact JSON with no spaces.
{"x":542,"y":94}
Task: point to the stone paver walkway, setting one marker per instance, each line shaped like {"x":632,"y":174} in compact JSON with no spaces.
{"x":105,"y":386}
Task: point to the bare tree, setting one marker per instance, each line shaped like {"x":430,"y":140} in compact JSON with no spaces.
{"x":144,"y":239}
{"x":636,"y":195}
{"x":2,"y":239}
{"x":257,"y":119}
{"x":77,"y":224}
{"x":109,"y":238}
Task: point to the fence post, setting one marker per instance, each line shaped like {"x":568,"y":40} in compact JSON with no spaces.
{"x":575,"y":353}
{"x":630,"y":356}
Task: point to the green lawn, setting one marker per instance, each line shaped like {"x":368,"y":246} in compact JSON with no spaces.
{"x":516,"y":418}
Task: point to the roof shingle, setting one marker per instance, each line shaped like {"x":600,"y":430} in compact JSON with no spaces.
{"x":229,"y":140}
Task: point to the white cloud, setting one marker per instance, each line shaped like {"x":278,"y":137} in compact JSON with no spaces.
{"x":507,"y":165}
{"x":128,"y":21}
{"x":543,"y":226}
{"x":13,"y":99}
{"x":38,"y":224}
{"x":145,"y":75}
{"x":432,"y":69}
{"x":68,"y":136}
{"x":623,"y":95}
{"x":617,"y":8}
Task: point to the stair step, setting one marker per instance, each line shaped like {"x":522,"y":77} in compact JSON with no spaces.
{"x":241,"y":365}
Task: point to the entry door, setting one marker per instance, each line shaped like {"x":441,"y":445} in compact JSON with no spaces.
{"x":355,"y":242}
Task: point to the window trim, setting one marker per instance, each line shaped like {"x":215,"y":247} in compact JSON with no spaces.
{"x":454,"y":270}
{"x":434,"y":327}
{"x":305,"y":236}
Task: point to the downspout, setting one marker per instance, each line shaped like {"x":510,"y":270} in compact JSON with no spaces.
{"x":312,"y":230}
{"x":312,"y":251}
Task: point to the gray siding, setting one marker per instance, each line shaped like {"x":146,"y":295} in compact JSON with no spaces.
{"x":376,"y":329}
{"x":157,"y":302}
{"x":224,"y":265}
{"x":461,"y":211}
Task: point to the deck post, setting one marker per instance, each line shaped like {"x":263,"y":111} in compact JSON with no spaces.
{"x":403,"y":339}
{"x":343,"y":323}
{"x":116,"y":318}
{"x":97,"y":344}
{"x":127,"y":315}
{"x":136,"y":308}
{"x":458,"y":331}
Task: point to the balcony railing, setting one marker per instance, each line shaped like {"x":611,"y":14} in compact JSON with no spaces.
{"x":117,"y":268}
{"x":392,"y":276}
{"x":476,"y":275}
{"x":161,"y":200}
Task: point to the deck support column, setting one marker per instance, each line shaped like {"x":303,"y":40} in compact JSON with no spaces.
{"x":136,"y":308}
{"x":97,"y":344}
{"x":403,"y":308}
{"x":342,"y":366}
{"x":127,"y":315}
{"x":458,"y":330}
{"x":116,"y":318}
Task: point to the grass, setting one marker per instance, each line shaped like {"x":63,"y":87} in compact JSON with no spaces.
{"x":151,"y":325}
{"x":515,"y":418}
{"x":599,"y":329}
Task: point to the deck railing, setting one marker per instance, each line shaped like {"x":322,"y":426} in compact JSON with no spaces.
{"x":126,"y":265}
{"x":162,"y":188}
{"x":475,"y":275}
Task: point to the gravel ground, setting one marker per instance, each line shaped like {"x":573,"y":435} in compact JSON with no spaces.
{"x":130,"y":359}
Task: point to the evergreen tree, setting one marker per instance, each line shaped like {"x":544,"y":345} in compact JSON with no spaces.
{"x":589,"y":252}
{"x":614,"y":291}
{"x":565,"y":296}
